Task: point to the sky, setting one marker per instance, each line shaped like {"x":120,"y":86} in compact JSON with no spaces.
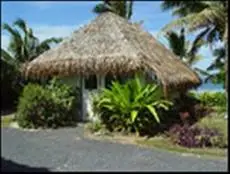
{"x":61,"y":18}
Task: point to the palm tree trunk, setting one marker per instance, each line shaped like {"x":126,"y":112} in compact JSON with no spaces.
{"x":130,"y":9}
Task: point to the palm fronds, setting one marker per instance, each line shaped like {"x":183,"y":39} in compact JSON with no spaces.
{"x":122,"y":8}
{"x":184,"y":49}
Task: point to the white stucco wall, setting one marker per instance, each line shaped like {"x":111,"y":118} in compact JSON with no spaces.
{"x":86,"y":112}
{"x":86,"y":98}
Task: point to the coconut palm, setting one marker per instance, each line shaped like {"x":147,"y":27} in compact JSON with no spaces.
{"x":207,"y":16}
{"x":23,"y":46}
{"x":122,"y":8}
{"x":217,"y":77}
{"x":186,"y":50}
{"x":210,"y":18}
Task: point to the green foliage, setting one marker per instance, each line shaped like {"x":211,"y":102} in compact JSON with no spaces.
{"x":187,"y":51}
{"x":132,"y":106}
{"x":121,"y":8}
{"x":217,"y":65}
{"x":95,"y":126}
{"x":23,"y":47}
{"x":209,"y":19}
{"x":212,"y":99}
{"x":216,"y":121}
{"x":6,"y":120}
{"x":47,"y":106}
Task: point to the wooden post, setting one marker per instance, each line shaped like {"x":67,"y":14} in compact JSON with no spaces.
{"x":82,"y":98}
{"x":165,"y":91}
{"x":100,"y":81}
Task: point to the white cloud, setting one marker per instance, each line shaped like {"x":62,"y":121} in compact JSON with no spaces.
{"x":44,"y":32}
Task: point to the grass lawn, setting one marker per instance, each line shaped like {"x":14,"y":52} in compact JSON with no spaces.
{"x":6,"y":120}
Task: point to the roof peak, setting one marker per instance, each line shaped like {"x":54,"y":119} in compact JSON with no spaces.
{"x":112,"y":44}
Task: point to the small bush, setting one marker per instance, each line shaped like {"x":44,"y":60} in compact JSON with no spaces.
{"x":198,"y":111}
{"x":211,"y":99}
{"x":95,"y":126}
{"x":189,"y":136}
{"x":48,"y":106}
{"x":131,"y":107}
{"x":186,"y":109}
{"x":216,"y":121}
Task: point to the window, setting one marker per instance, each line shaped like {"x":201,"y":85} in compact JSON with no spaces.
{"x":110,"y":78}
{"x":91,"y":82}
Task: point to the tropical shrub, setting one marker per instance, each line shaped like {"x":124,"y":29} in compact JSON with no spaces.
{"x":216,"y":121}
{"x":194,"y":136}
{"x":23,"y":47}
{"x":131,"y":107}
{"x":95,"y":126}
{"x":48,"y":106}
{"x":201,"y":111}
{"x":211,"y":98}
{"x":186,"y":109}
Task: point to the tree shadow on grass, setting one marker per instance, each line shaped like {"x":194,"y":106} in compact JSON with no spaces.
{"x":10,"y":166}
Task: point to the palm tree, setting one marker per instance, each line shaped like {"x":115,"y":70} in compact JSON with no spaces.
{"x":217,"y":77}
{"x":24,"y":46}
{"x":210,"y":18}
{"x":122,"y":8}
{"x":184,"y":49}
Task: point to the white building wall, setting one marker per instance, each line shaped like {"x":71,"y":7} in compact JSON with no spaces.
{"x":86,"y":95}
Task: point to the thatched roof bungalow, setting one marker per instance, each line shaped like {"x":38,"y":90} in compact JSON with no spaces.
{"x":111,"y":44}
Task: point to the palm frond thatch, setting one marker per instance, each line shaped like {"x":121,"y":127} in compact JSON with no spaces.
{"x":111,"y":44}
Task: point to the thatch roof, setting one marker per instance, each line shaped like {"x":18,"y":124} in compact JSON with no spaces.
{"x":111,"y":44}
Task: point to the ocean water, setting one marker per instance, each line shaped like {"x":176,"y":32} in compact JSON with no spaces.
{"x":210,"y":87}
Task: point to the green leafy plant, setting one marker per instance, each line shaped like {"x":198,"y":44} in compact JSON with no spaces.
{"x":212,"y":99}
{"x":48,"y":106}
{"x":95,"y":126}
{"x":23,"y":46}
{"x":131,"y":106}
{"x":216,"y":121}
{"x":121,"y":8}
